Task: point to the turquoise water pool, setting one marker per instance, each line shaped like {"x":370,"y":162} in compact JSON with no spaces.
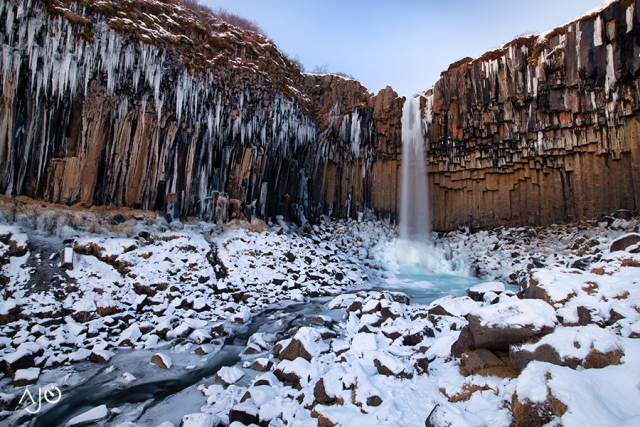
{"x":424,"y":287}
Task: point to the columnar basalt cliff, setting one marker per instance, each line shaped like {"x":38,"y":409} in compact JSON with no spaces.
{"x":147,"y":104}
{"x":138,"y":103}
{"x":541,"y":130}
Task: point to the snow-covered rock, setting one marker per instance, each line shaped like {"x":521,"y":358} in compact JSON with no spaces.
{"x":94,"y":415}
{"x":228,"y":375}
{"x":161,"y":360}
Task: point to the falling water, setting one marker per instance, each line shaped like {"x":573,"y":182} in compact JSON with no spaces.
{"x":414,"y":198}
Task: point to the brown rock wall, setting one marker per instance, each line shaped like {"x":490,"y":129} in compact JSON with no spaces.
{"x":542,"y":130}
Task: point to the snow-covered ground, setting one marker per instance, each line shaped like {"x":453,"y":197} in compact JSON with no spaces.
{"x":132,"y":304}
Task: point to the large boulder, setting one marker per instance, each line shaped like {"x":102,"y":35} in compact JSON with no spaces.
{"x":623,"y":242}
{"x":477,"y":292}
{"x":481,"y":359}
{"x":306,"y":343}
{"x":495,"y":327}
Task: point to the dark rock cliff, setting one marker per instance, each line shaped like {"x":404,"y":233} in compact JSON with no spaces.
{"x":542,"y":130}
{"x":142,"y":103}
{"x":146,"y":104}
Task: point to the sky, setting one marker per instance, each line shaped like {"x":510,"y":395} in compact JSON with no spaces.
{"x":402,"y":43}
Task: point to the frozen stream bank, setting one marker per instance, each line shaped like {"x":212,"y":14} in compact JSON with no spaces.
{"x":138,"y":287}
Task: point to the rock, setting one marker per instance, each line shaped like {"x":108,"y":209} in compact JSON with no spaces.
{"x":204,"y":349}
{"x":623,"y":242}
{"x":389,"y":366}
{"x":101,"y":356}
{"x":527,"y":413}
{"x":598,"y":359}
{"x":543,"y":353}
{"x":583,"y":263}
{"x":130,"y":336}
{"x":588,"y":316}
{"x":624,"y":214}
{"x":228,"y":375}
{"x":246,"y":413}
{"x":294,"y":373}
{"x":92,"y":416}
{"x":161,"y":360}
{"x":321,"y":395}
{"x":482,"y":359}
{"x":306,"y":343}
{"x":67,"y":258}
{"x":450,"y":415}
{"x":200,"y":420}
{"x":25,"y":377}
{"x":262,"y":365}
{"x":21,"y":359}
{"x":464,"y":342}
{"x":512,"y":322}
{"x":125,"y":379}
{"x":374,"y":400}
{"x":478,"y":291}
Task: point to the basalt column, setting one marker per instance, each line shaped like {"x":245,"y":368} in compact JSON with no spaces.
{"x":541,"y":130}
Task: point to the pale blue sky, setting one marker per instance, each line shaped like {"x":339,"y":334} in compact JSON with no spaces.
{"x":402,"y":43}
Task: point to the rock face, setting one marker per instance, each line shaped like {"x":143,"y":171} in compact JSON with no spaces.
{"x":158,"y":105}
{"x":541,"y":130}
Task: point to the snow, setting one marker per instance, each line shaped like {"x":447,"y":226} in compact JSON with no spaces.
{"x":96,"y":414}
{"x":481,"y":288}
{"x":247,"y":256}
{"x":125,"y":379}
{"x":28,"y":374}
{"x":230,"y":375}
{"x":535,"y":314}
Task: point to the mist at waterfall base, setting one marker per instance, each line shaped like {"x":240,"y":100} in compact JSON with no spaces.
{"x":420,"y":269}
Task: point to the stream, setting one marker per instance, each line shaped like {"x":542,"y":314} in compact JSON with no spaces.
{"x":99,"y":390}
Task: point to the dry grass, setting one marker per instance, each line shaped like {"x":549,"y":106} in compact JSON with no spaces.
{"x":466,"y":393}
{"x":498,"y":371}
{"x":627,"y":262}
{"x":529,"y":414}
{"x":590,"y":287}
{"x":599,"y":271}
{"x":623,"y":295}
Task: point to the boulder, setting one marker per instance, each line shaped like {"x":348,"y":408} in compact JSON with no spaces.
{"x":228,"y":375}
{"x":478,"y":291}
{"x":262,"y":365}
{"x":200,"y":420}
{"x":511,"y":322}
{"x":20,"y":359}
{"x":543,"y":353}
{"x":161,"y":360}
{"x":374,"y":400}
{"x":391,"y":367}
{"x":90,"y":417}
{"x":246,"y":413}
{"x":101,"y":356}
{"x":306,"y":343}
{"x":482,"y":359}
{"x":450,"y":415}
{"x":321,"y":395}
{"x":623,"y":242}
{"x":25,"y":377}
{"x":464,"y":342}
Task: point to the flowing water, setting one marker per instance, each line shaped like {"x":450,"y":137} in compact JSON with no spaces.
{"x":99,"y":389}
{"x":414,"y":197}
{"x":422,"y":271}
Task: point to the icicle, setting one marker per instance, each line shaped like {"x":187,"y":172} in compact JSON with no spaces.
{"x":597,"y":32}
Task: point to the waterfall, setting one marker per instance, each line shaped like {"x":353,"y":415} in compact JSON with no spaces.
{"x":414,"y":196}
